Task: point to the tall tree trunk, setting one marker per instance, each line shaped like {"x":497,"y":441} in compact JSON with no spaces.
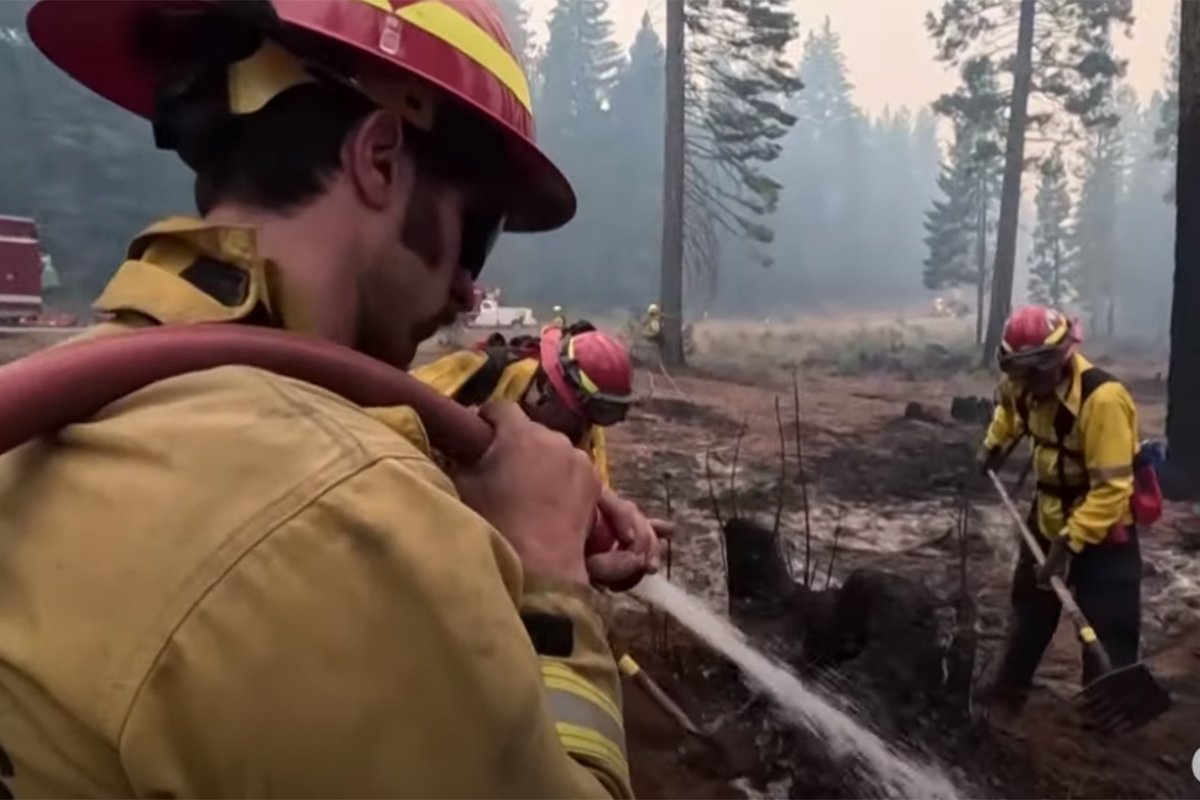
{"x":981,"y":262}
{"x":671,"y":276}
{"x":1183,"y":382}
{"x":1010,"y":189}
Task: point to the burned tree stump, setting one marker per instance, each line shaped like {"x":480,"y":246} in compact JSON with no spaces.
{"x":894,"y":635}
{"x":972,"y":409}
{"x":758,"y":581}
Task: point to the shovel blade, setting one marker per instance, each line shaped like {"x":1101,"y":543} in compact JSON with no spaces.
{"x":1124,"y":699}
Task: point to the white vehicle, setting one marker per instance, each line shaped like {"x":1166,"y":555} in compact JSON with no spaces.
{"x":493,"y":315}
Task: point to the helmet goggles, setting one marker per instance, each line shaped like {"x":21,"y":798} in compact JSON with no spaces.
{"x":1031,"y":362}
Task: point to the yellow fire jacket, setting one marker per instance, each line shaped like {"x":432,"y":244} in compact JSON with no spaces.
{"x":651,"y":328}
{"x":449,"y":374}
{"x":1098,"y":467}
{"x":233,"y":584}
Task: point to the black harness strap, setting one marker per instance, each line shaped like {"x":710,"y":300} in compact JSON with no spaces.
{"x":1064,"y":422}
{"x":479,"y":387}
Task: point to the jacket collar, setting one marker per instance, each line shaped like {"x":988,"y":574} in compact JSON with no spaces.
{"x":184,"y":270}
{"x":1070,"y":391}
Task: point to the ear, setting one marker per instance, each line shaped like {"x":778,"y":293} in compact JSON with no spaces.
{"x":372,"y":158}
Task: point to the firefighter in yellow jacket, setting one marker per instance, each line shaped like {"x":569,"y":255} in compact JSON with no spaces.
{"x":1083,"y":424}
{"x":576,"y":381}
{"x":652,"y":324}
{"x":234,"y":584}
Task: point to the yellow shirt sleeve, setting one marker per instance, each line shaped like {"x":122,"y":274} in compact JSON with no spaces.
{"x":1108,"y":426}
{"x":1006,"y":423}
{"x":449,"y":373}
{"x":597,"y":448}
{"x":371,"y":646}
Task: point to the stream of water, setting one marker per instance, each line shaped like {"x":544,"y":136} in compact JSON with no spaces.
{"x":884,"y":768}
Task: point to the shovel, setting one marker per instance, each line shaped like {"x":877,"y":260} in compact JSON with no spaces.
{"x":632,"y":670}
{"x":1120,"y":700}
{"x":725,"y":744}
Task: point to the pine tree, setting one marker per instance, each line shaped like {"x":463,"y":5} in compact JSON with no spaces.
{"x":950,"y":223}
{"x":1061,"y":53}
{"x":1166,"y":136}
{"x":888,"y":223}
{"x":520,"y":32}
{"x":579,"y":70}
{"x":1145,"y":229}
{"x":1052,"y":262}
{"x":825,"y":106}
{"x":960,"y":227}
{"x":738,"y":83}
{"x":971,"y":183}
{"x":827,"y":152}
{"x":637,"y":105}
{"x":1095,"y":227}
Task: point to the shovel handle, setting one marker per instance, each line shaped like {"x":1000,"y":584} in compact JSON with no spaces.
{"x":1087,"y":634}
{"x":632,"y":670}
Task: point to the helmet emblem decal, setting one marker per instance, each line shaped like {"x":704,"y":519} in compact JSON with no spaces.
{"x":389,"y":37}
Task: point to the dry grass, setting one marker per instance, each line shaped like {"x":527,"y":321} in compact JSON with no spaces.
{"x":847,"y":344}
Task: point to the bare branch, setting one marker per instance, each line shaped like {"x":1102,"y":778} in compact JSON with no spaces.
{"x":737,"y":447}
{"x":803,"y":481}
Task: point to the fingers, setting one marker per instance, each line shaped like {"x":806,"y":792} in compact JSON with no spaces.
{"x":619,"y":570}
{"x":621,"y":516}
{"x":663,"y":528}
{"x":501,"y":412}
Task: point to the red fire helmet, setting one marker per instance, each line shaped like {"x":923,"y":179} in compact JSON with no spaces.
{"x":589,"y":370}
{"x":456,"y":46}
{"x":1037,"y":338}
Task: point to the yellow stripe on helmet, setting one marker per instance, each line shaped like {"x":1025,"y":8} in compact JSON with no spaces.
{"x":585,"y":382}
{"x":1060,"y":331}
{"x":460,"y":32}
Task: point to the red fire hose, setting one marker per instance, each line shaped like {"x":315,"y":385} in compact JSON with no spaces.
{"x":49,"y":390}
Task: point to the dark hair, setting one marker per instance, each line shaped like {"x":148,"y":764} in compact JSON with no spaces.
{"x":277,"y":158}
{"x":281,"y":156}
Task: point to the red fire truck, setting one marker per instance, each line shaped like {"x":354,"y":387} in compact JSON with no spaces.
{"x":23,"y":268}
{"x":20,"y":270}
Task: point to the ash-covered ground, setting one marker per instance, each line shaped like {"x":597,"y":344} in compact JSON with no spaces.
{"x":885,"y":492}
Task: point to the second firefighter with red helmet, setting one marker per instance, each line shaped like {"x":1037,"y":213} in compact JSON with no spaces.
{"x":576,"y":381}
{"x":1083,"y":424}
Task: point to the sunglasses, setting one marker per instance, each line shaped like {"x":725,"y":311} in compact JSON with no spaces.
{"x":480,"y":230}
{"x":599,"y":408}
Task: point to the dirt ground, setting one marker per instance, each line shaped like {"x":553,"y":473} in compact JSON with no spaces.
{"x":882,"y":491}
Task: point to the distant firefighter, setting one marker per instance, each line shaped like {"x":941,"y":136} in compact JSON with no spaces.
{"x":652,"y":324}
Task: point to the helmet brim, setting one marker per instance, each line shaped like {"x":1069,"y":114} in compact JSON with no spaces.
{"x":100,"y":51}
{"x":548,"y":356}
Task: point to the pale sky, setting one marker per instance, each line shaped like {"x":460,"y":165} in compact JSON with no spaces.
{"x":888,"y":52}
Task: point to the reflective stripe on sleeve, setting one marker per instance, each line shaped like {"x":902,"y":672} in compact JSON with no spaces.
{"x":1102,"y":474}
{"x":588,"y":722}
